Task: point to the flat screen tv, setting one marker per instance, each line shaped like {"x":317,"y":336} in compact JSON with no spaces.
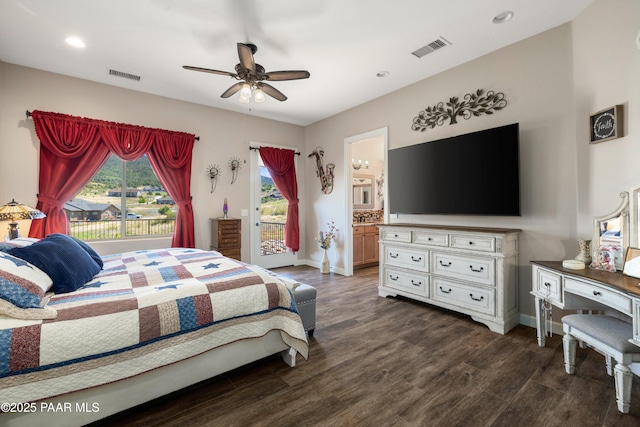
{"x":471,"y":174}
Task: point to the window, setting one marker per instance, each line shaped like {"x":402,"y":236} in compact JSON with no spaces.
{"x":125,"y":198}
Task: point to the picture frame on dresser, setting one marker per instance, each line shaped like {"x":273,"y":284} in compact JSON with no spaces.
{"x":632,"y":263}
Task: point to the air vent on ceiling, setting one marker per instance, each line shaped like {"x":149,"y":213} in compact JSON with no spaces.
{"x":124,"y":75}
{"x":437,"y":44}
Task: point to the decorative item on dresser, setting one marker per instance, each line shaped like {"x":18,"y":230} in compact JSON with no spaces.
{"x":226,"y":237}
{"x":470,"y":270}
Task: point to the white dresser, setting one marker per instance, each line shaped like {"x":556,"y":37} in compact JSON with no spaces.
{"x":470,"y":270}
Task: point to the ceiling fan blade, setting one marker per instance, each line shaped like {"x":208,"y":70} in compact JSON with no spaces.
{"x":233,"y":89}
{"x":273,"y":92}
{"x":209,"y":70}
{"x":246,"y":57}
{"x":287,"y":75}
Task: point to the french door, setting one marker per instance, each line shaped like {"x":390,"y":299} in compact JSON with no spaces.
{"x":268,"y":217}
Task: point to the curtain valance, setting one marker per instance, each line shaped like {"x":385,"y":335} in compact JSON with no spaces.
{"x":73,"y":149}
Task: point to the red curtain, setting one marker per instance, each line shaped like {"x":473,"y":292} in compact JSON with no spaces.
{"x":73,"y":149}
{"x":70,"y":155}
{"x":280,"y":164}
{"x":170,"y":158}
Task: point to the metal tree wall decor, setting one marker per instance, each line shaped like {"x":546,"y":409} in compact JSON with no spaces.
{"x":472,"y":104}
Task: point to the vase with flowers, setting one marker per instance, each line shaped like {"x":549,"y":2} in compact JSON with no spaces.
{"x":325,"y":238}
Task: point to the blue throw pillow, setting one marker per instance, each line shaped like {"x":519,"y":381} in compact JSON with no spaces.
{"x":62,"y":259}
{"x":92,"y":253}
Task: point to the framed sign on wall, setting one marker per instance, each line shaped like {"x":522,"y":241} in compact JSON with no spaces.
{"x":606,"y":124}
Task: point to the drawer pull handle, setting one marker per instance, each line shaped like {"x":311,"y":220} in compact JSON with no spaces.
{"x":395,"y":235}
{"x":597,"y":293}
{"x":416,"y":284}
{"x":393,"y":255}
{"x":393,"y":278}
{"x":445,"y":265}
{"x":416,"y":259}
{"x":475,"y":270}
{"x":547,"y":284}
{"x":429,"y":238}
{"x":476,"y":299}
{"x":471,"y":243}
{"x":445,"y":292}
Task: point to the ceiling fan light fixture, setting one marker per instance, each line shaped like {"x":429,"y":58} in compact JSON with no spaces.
{"x":245,"y":91}
{"x":244,"y":99}
{"x":259,"y":96}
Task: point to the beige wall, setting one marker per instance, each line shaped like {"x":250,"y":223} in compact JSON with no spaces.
{"x":607,"y":72}
{"x":223,"y":135}
{"x":535,"y":76}
{"x":553,"y":81}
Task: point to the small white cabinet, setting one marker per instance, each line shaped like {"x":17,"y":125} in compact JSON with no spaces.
{"x":470,"y":270}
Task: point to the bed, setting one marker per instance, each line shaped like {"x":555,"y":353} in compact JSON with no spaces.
{"x":145,"y":324}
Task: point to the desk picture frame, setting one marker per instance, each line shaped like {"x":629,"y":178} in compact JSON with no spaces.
{"x":632,"y":263}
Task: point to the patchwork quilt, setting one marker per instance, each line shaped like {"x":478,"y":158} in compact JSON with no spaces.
{"x":145,"y":309}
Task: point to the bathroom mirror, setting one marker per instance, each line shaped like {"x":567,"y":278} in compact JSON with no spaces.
{"x":362,"y":191}
{"x":611,"y":231}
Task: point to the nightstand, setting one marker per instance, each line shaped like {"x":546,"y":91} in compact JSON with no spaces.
{"x":226,"y":236}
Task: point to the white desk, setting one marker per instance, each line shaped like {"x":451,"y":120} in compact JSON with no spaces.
{"x":584,"y":290}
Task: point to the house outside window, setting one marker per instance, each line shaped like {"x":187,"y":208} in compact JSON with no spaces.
{"x":102,"y":210}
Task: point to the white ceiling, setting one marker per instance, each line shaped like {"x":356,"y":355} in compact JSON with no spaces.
{"x":342,"y":43}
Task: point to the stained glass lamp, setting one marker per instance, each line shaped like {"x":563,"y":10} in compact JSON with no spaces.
{"x":14,"y":211}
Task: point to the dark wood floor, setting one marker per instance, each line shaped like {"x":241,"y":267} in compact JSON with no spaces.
{"x":393,"y":362}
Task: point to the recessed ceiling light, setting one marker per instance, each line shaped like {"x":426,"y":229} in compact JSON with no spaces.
{"x":382,"y":74}
{"x":502,"y":17}
{"x":74,"y":41}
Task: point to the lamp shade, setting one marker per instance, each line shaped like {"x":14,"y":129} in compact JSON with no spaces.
{"x":14,"y":211}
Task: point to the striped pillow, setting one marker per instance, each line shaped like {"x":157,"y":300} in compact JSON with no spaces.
{"x":22,"y":286}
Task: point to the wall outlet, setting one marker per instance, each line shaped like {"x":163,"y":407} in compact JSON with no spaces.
{"x":244,"y":212}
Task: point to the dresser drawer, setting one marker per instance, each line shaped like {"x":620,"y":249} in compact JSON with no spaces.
{"x":405,"y":257}
{"x":395,"y":235}
{"x":473,"y":243}
{"x":229,"y":224}
{"x":601,"y":294}
{"x":547,"y":285}
{"x":429,"y":238}
{"x":405,"y":281}
{"x":475,"y":269}
{"x":467,"y":296}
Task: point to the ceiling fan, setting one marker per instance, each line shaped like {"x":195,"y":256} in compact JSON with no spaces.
{"x":252,"y":77}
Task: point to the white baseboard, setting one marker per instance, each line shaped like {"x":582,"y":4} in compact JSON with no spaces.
{"x":528,"y":320}
{"x":316,"y":264}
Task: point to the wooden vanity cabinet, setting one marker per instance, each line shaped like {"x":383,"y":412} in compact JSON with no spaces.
{"x":365,"y":246}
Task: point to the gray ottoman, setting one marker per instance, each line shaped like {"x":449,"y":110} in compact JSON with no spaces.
{"x":305,"y":297}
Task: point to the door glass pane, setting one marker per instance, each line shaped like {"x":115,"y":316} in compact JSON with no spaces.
{"x":273,"y":216}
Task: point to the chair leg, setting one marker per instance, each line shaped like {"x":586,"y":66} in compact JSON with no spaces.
{"x":569,"y":349}
{"x":623,"y":379}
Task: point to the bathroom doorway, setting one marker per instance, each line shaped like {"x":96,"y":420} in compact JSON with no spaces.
{"x":366,"y":158}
